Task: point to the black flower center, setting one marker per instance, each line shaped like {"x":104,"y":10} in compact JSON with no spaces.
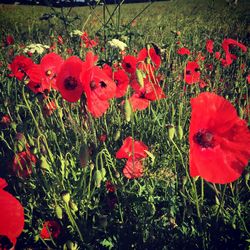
{"x":70,"y":83}
{"x":204,"y":138}
{"x":128,"y":65}
{"x":103,"y":84}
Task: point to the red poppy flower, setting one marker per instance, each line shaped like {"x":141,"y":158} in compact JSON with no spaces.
{"x":210,"y":46}
{"x":20,"y":66}
{"x":129,"y":64}
{"x":35,"y":83}
{"x":133,"y":169}
{"x":50,"y":229}
{"x":22,"y":163}
{"x":108,"y":70}
{"x":138,"y":101}
{"x":152,"y":55}
{"x":143,"y":95}
{"x":192,"y":73}
{"x":228,"y":60}
{"x":217,"y":55}
{"x":68,"y":79}
{"x":98,"y":86}
{"x":248,"y":78}
{"x":121,"y":79}
{"x":50,"y":66}
{"x":183,"y":51}
{"x":11,"y":215}
{"x":131,"y":147}
{"x":219,"y":140}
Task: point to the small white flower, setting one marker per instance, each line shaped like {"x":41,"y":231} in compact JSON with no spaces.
{"x":38,"y":48}
{"x":76,"y":33}
{"x":115,"y":43}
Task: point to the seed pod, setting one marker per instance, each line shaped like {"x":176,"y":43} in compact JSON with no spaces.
{"x":117,"y":135}
{"x":98,"y":178}
{"x":59,"y":212}
{"x":128,"y":110}
{"x":84,"y":155}
{"x":171,"y":132}
{"x":65,"y":196}
{"x":139,"y":78}
{"x":180,"y":132}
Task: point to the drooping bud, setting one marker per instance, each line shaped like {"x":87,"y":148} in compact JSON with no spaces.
{"x":98,"y":178}
{"x":171,"y":132}
{"x":180,"y":132}
{"x":71,"y":245}
{"x":117,"y":135}
{"x":65,"y":196}
{"x":43,"y":163}
{"x":140,"y":78}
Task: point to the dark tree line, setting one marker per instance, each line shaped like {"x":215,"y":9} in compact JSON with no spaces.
{"x":66,"y":3}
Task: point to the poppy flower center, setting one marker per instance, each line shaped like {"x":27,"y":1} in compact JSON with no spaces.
{"x":204,"y":138}
{"x":48,"y":72}
{"x":70,"y":83}
{"x":5,"y":243}
{"x":103,"y":84}
{"x":128,"y":65}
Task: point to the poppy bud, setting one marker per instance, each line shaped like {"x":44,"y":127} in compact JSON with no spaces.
{"x":71,"y":245}
{"x":98,"y":178}
{"x":65,"y":196}
{"x":103,"y":171}
{"x":140,"y":78}
{"x":171,"y":132}
{"x":92,"y":166}
{"x":128,"y":110}
{"x":117,"y":135}
{"x":20,"y":142}
{"x":13,"y":125}
{"x":36,"y":238}
{"x":84,"y":155}
{"x":180,"y":132}
{"x":59,"y":212}
{"x":60,"y":113}
{"x":73,"y":206}
{"x":44,"y":165}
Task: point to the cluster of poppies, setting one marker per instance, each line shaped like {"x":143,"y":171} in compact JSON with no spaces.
{"x":192,"y":70}
{"x":73,"y":78}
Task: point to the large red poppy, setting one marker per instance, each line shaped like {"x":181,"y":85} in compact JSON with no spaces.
{"x":20,"y":66}
{"x":131,"y":147}
{"x":50,"y":66}
{"x":183,"y":51}
{"x":151,"y":54}
{"x":11,"y":215}
{"x":97,"y":85}
{"x":219,"y":140}
{"x":192,"y":73}
{"x":68,"y":80}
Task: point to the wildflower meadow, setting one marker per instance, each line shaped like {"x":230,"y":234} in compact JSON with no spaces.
{"x":125,"y":126}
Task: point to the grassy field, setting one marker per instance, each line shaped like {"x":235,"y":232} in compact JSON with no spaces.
{"x":60,"y":159}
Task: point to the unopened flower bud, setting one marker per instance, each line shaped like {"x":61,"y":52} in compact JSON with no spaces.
{"x":171,"y":132}
{"x":65,"y":196}
{"x":73,"y":206}
{"x":59,"y":212}
{"x":128,"y":110}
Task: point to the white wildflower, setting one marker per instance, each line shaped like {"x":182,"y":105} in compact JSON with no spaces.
{"x":115,"y":43}
{"x":38,"y":48}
